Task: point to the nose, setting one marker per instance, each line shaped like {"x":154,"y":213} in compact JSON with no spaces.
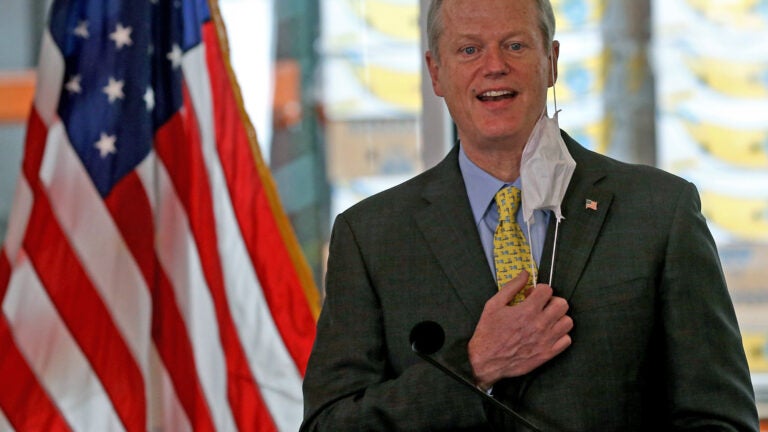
{"x":495,"y":62}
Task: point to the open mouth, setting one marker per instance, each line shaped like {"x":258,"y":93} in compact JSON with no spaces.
{"x":496,"y":95}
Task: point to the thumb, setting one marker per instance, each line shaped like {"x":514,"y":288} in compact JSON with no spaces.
{"x":510,"y":289}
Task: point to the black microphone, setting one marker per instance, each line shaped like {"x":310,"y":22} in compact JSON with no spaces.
{"x":427,"y":337}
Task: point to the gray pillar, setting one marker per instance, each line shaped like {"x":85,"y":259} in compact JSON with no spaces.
{"x":630,"y":89}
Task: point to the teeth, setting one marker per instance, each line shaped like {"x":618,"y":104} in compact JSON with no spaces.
{"x":496,"y":93}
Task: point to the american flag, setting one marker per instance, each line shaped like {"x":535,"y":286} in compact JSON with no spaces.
{"x":149,"y":279}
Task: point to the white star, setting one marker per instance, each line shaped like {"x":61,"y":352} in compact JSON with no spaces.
{"x":149,"y":99}
{"x":73,"y":85}
{"x":121,"y":36}
{"x":82,"y":30}
{"x":175,"y":56}
{"x":106,"y":145}
{"x":114,"y":90}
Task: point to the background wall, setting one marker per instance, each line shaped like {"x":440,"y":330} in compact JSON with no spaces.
{"x":20,"y":24}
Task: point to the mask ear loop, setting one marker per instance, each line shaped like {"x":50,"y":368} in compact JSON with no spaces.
{"x":554,"y":78}
{"x":557,"y":223}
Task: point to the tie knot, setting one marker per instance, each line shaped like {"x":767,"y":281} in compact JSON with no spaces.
{"x":508,"y":200}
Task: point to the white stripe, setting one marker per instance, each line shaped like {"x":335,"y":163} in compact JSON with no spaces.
{"x":54,"y":356}
{"x":273,"y":368}
{"x":165,"y":412}
{"x":97,"y":241}
{"x":50,"y":74}
{"x":178,"y":256}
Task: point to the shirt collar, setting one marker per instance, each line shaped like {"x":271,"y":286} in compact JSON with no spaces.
{"x":481,"y":186}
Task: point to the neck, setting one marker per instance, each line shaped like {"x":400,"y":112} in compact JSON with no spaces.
{"x":500,"y":162}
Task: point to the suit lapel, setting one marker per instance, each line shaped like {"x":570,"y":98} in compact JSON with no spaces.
{"x":580,"y":226}
{"x":448,"y":227}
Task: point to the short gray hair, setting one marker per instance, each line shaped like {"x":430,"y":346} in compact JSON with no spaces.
{"x":435,"y":24}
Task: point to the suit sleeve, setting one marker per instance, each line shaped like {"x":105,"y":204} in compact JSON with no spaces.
{"x":350,"y":383}
{"x":707,"y":378}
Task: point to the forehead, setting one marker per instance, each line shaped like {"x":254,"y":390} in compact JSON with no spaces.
{"x":489,"y":18}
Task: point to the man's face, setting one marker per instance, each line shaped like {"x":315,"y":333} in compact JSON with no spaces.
{"x":493,"y":70}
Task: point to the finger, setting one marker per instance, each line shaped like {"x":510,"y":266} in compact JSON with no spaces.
{"x":511,"y":288}
{"x":563,"y":326}
{"x":555,"y":308}
{"x":540,"y":296}
{"x":561,"y":344}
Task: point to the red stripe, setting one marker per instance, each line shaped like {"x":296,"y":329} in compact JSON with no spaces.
{"x":179,"y":147}
{"x":34,"y":147}
{"x":276,"y":270}
{"x":84,"y":313}
{"x":132,"y":212}
{"x":5,"y":275}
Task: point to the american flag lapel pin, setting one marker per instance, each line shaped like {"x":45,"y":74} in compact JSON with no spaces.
{"x":591,"y":205}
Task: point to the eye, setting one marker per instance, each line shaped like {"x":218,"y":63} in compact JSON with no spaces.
{"x":469,"y":50}
{"x":515,"y":46}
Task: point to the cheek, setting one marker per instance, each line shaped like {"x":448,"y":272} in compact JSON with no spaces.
{"x":545,"y":72}
{"x":449,"y":87}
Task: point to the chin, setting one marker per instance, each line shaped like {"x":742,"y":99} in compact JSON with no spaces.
{"x":499,"y":134}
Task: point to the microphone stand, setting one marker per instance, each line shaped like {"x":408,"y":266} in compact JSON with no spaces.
{"x":474,"y":388}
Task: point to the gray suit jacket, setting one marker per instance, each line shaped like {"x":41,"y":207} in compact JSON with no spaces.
{"x":656,"y":344}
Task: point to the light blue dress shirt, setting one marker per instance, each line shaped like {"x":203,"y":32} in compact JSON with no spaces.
{"x":481,"y":188}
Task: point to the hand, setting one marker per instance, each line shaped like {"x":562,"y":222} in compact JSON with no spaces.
{"x":511,"y":341}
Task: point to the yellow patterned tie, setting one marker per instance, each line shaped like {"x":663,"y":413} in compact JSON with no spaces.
{"x":511,"y":252}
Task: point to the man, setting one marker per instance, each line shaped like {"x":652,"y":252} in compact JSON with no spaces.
{"x":636,"y":331}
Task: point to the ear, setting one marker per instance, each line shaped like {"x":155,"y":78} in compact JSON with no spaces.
{"x":554,"y":54}
{"x":434,"y":72}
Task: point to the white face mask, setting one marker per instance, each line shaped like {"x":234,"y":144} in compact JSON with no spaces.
{"x":545,"y":170}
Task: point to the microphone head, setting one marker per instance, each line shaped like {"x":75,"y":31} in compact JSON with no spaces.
{"x":427,"y":337}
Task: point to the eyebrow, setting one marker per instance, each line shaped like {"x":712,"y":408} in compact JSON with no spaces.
{"x":510,"y":35}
